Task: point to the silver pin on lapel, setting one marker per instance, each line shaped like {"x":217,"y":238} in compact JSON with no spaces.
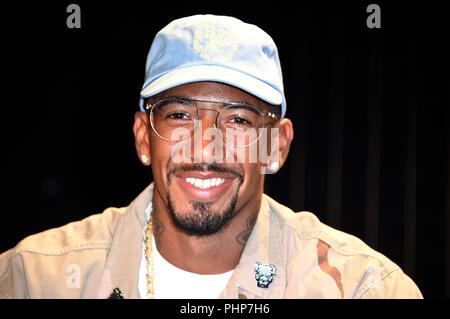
{"x":264,"y":274}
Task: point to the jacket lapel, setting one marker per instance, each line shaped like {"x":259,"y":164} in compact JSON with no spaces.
{"x":123,"y":261}
{"x":265,"y":246}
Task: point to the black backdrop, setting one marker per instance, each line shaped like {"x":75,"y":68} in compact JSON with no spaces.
{"x":370,"y":109}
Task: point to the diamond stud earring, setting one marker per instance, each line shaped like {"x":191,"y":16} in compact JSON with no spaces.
{"x":144,"y":159}
{"x":274,"y":166}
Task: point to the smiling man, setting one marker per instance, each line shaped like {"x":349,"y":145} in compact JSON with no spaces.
{"x":211,"y":125}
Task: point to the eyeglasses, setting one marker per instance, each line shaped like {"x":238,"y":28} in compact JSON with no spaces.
{"x":239,"y":124}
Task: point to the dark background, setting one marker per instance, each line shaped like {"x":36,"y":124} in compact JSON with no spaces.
{"x":370,"y":108}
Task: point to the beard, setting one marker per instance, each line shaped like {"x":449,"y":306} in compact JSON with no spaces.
{"x":203,"y":219}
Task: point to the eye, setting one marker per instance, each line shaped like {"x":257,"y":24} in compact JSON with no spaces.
{"x":239,"y":120}
{"x":178,"y":116}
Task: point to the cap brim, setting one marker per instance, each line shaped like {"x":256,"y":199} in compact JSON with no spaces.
{"x":215,"y":73}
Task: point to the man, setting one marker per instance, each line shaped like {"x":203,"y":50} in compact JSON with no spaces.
{"x":211,"y":125}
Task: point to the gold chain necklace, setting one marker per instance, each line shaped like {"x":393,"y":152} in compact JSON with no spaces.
{"x":149,"y":258}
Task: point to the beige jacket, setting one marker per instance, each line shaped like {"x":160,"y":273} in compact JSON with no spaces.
{"x":89,"y":258}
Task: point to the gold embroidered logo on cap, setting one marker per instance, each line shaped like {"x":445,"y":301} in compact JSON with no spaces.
{"x":213,"y":44}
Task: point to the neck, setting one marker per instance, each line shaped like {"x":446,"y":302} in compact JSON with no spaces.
{"x":213,"y":254}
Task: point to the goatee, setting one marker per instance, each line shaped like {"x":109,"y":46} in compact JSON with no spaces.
{"x":202,"y":221}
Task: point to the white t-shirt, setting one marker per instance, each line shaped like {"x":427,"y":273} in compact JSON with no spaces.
{"x":171,"y":282}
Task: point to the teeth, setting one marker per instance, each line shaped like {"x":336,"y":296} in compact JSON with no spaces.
{"x":204,"y":183}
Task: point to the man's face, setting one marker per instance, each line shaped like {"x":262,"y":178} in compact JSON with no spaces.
{"x":203,"y":195}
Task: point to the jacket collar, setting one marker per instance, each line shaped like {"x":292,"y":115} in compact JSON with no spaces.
{"x":264,"y":245}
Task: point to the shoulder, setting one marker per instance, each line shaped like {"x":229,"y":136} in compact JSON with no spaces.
{"x":305,"y":225}
{"x":353,"y":269}
{"x":92,"y":232}
{"x":49,"y":256}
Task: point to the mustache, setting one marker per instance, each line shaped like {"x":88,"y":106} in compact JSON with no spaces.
{"x":205,"y":167}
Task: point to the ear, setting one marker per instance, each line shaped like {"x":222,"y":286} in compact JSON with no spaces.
{"x":141,"y":137}
{"x":286,"y":135}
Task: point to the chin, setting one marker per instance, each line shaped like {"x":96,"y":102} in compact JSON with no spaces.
{"x":202,"y":218}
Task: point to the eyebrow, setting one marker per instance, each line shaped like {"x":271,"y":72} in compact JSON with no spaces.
{"x":181,"y":97}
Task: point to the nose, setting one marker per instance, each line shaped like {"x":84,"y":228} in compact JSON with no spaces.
{"x":207,"y":146}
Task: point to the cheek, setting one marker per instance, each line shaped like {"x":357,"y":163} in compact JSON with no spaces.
{"x":160,"y":153}
{"x":253,"y":181}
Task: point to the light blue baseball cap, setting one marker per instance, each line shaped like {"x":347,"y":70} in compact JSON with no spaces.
{"x":214,"y":48}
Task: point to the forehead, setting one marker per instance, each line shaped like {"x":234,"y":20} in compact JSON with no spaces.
{"x":211,"y":91}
